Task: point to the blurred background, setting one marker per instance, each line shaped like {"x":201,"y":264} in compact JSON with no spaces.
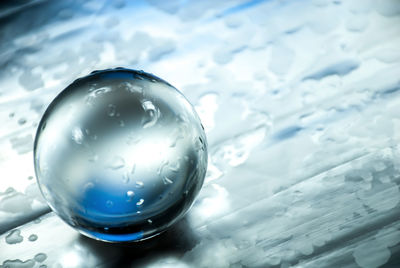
{"x":300,"y":101}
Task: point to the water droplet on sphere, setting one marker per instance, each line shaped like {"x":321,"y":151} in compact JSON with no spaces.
{"x":134,"y":88}
{"x":77,"y":135}
{"x":166,"y":180}
{"x":129,"y":195}
{"x":116,"y":162}
{"x":140,"y":203}
{"x":139,"y":184}
{"x":174,"y":167}
{"x":151,"y":114}
{"x":88,"y":186}
{"x":111,"y":110}
{"x":101,"y":91}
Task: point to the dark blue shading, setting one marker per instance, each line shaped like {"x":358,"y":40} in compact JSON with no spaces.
{"x":287,"y":133}
{"x":241,"y":7}
{"x":116,"y":237}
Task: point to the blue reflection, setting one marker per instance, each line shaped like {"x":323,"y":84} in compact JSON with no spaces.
{"x":105,"y":199}
{"x":242,"y":7}
{"x":116,"y":237}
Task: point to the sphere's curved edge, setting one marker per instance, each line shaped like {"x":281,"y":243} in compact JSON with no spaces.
{"x":138,"y":73}
{"x":119,"y":239}
{"x":114,"y":238}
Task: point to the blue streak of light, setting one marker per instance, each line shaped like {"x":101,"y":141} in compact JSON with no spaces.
{"x":241,"y":7}
{"x":117,"y":237}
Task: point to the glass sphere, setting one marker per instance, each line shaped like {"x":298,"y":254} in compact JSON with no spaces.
{"x":120,"y":155}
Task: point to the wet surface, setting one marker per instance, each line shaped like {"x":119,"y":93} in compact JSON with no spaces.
{"x":299,"y":101}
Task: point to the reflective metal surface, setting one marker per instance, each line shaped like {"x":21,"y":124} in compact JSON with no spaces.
{"x":299,"y":101}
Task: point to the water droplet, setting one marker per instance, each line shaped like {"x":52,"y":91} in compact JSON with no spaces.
{"x":176,"y":135}
{"x":88,"y":186}
{"x":174,"y":167}
{"x":140,"y":203}
{"x":14,"y":237}
{"x":151,"y":114}
{"x":129,"y":175}
{"x":21,"y":121}
{"x":201,"y":141}
{"x":101,"y":91}
{"x":89,"y":100}
{"x":40,"y":257}
{"x":199,"y":144}
{"x":116,"y":162}
{"x":77,"y":135}
{"x":164,"y":163}
{"x":134,"y":88}
{"x":139,"y":184}
{"x":149,"y":221}
{"x":137,"y":88}
{"x":166,"y":180}
{"x":18,"y":263}
{"x":126,"y":178}
{"x":92,"y":88}
{"x":130,"y":195}
{"x":109,"y":203}
{"x":32,"y":237}
{"x":30,"y":177}
{"x":138,"y":75}
{"x":133,"y":168}
{"x":111,"y":110}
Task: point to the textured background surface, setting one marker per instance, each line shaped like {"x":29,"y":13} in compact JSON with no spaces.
{"x":300,"y":101}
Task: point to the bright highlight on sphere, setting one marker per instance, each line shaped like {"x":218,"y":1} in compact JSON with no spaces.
{"x":120,"y":155}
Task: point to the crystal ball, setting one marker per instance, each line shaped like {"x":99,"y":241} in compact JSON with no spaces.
{"x":120,"y":155}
